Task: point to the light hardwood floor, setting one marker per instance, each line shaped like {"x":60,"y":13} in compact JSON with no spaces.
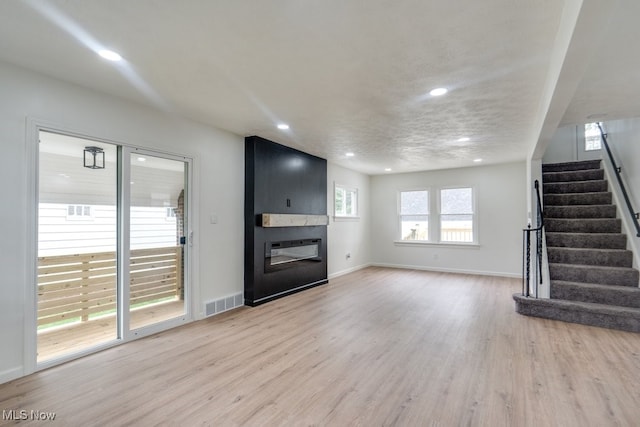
{"x":375,"y":347}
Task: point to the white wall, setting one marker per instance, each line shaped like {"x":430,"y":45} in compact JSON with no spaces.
{"x":624,"y":137}
{"x":563,"y":146}
{"x":567,"y":145}
{"x":218,"y":177}
{"x":624,"y":141}
{"x":500,"y":207}
{"x":348,"y":235}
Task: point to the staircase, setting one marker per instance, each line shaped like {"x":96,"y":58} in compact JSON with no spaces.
{"x":592,"y":279}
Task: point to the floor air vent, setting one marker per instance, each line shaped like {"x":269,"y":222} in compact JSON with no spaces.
{"x":223,"y":304}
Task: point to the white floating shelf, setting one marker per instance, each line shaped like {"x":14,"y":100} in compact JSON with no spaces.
{"x":293,"y":220}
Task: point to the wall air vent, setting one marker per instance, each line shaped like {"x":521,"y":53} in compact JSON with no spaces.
{"x":223,"y":304}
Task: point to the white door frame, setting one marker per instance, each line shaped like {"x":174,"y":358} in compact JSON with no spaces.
{"x":33,"y":129}
{"x":125,"y":332}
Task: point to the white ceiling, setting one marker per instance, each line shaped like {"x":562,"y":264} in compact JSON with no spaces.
{"x":64,"y":179}
{"x":610,"y":87}
{"x":346,"y":75}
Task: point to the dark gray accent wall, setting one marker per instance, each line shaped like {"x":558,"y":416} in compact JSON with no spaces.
{"x":281,"y":180}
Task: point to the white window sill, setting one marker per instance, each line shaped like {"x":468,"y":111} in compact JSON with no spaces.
{"x":346,"y":218}
{"x":438,"y":244}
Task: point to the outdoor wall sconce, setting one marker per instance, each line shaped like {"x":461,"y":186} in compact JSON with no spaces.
{"x":93,"y":157}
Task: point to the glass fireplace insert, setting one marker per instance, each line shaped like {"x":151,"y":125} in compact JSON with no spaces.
{"x":291,"y":253}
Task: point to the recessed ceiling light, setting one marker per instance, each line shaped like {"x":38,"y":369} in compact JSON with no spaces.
{"x":349,"y":154}
{"x":464,"y":139}
{"x":387,"y":169}
{"x":142,"y":159}
{"x":110,"y":55}
{"x":439,"y":91}
{"x":477,"y":160}
{"x":283,"y":126}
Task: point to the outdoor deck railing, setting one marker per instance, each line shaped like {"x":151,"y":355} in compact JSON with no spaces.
{"x":81,"y":285}
{"x":457,"y":235}
{"x":447,"y":235}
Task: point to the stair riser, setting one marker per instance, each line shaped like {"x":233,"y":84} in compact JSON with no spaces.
{"x":575,"y":187}
{"x":574,"y":292}
{"x":602,"y":211}
{"x":571,"y":273}
{"x":590,"y":257}
{"x":577,"y":199}
{"x":583,"y":225}
{"x":587,"y":240}
{"x":592,"y":279}
{"x":629,"y":324}
{"x":583,"y":175}
{"x":571,"y":166}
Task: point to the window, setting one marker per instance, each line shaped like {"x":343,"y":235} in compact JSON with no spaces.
{"x":170,"y":214}
{"x":414,"y":215}
{"x":592,"y":137}
{"x":456,"y":215}
{"x":78,"y":212}
{"x":346,"y":201}
{"x":454,"y":208}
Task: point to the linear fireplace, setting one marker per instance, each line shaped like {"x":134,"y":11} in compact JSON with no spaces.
{"x":285,"y":221}
{"x":291,"y":254}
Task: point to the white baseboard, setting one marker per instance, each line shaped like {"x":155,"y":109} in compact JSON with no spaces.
{"x":10,"y":374}
{"x":449,"y":270}
{"x":347,"y":271}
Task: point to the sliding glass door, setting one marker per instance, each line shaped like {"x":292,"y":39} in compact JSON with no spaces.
{"x":111,"y":244}
{"x":77,"y":245}
{"x":156,"y":239}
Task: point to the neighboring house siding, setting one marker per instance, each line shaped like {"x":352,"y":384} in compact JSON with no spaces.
{"x":60,"y":234}
{"x":150,"y":228}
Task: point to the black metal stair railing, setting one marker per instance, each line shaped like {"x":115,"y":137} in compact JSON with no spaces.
{"x":527,"y":277}
{"x":634,"y":215}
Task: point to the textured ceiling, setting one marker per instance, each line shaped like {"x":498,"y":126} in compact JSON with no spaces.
{"x":347,"y":76}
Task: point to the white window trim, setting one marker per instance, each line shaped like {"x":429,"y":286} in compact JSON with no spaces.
{"x":435,"y":244}
{"x":342,"y":217}
{"x":474,"y":223}
{"x":434,"y":219}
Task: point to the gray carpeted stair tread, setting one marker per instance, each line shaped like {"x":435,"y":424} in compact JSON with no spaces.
{"x":571,"y":166}
{"x":605,"y":316}
{"x":576,"y":187}
{"x":586,"y":240}
{"x":591,"y":256}
{"x":583,"y":225}
{"x":624,"y":296}
{"x":579,"y":175}
{"x":566,"y":199}
{"x":592,"y":279}
{"x":578,"y":211}
{"x":619,"y":276}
